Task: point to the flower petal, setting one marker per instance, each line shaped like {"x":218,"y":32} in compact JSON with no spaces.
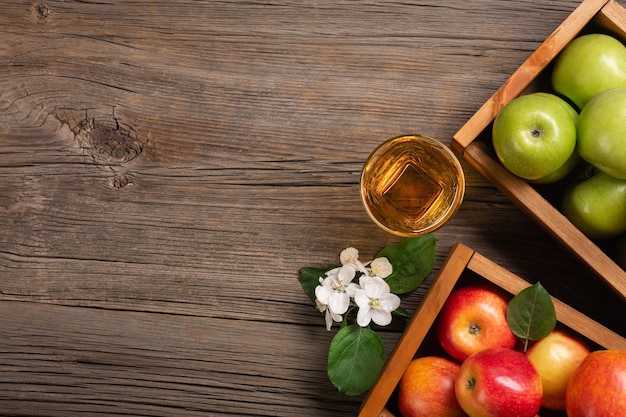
{"x":376,"y":287}
{"x":329,"y":319}
{"x":339,"y":302}
{"x":360,"y":267}
{"x":365,"y":280}
{"x":348,"y":256}
{"x":389,"y":302}
{"x":333,"y":272}
{"x":323,"y":293}
{"x":346,"y":274}
{"x":381,"y":267}
{"x":380,"y":317}
{"x":361,"y":299}
{"x":352,"y":289}
{"x":363,"y":317}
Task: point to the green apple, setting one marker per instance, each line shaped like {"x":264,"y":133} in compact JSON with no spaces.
{"x":560,"y":173}
{"x":589,"y":65}
{"x":534,"y":136}
{"x":568,"y":107}
{"x":602,"y":132}
{"x":574,"y":159}
{"x":597,"y":206}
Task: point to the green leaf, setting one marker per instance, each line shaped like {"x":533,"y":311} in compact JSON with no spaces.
{"x":413,"y":260}
{"x":355,"y":358}
{"x":401,"y":312}
{"x":310,"y":278}
{"x":530,"y":314}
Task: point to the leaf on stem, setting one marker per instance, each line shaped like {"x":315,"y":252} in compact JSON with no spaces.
{"x":355,"y":358}
{"x":530,"y":314}
{"x":413,"y":260}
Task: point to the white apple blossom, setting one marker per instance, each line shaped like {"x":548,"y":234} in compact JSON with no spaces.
{"x":375,"y":301}
{"x":372,"y":295}
{"x":332,"y":294}
{"x":381,"y":267}
{"x":329,"y":316}
{"x":350,"y":256}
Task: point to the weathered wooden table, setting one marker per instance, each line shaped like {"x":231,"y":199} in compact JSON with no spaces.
{"x":166,"y":167}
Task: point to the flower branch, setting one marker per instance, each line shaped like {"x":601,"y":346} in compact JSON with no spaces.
{"x":356,"y":353}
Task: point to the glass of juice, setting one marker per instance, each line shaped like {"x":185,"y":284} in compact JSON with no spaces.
{"x":411,"y":185}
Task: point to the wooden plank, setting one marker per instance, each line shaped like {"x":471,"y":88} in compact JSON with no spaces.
{"x":416,"y":332}
{"x":78,"y":361}
{"x":167,"y":167}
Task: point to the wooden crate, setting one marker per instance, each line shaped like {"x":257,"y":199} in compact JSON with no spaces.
{"x":473,"y":140}
{"x":463,"y":266}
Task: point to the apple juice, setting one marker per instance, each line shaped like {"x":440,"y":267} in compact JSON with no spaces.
{"x":411,"y":185}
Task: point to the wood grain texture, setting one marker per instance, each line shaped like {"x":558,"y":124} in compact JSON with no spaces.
{"x":167,"y":167}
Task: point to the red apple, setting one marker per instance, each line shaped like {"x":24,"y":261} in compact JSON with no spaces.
{"x":597,"y":388}
{"x":556,"y":357}
{"x":499,"y":383}
{"x":472,"y":319}
{"x":426,"y":388}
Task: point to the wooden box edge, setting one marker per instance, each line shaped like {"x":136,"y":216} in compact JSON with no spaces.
{"x":459,"y":259}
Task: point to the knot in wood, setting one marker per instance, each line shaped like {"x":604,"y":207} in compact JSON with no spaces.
{"x":108,"y":142}
{"x":42,"y":12}
{"x":122,"y":181}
